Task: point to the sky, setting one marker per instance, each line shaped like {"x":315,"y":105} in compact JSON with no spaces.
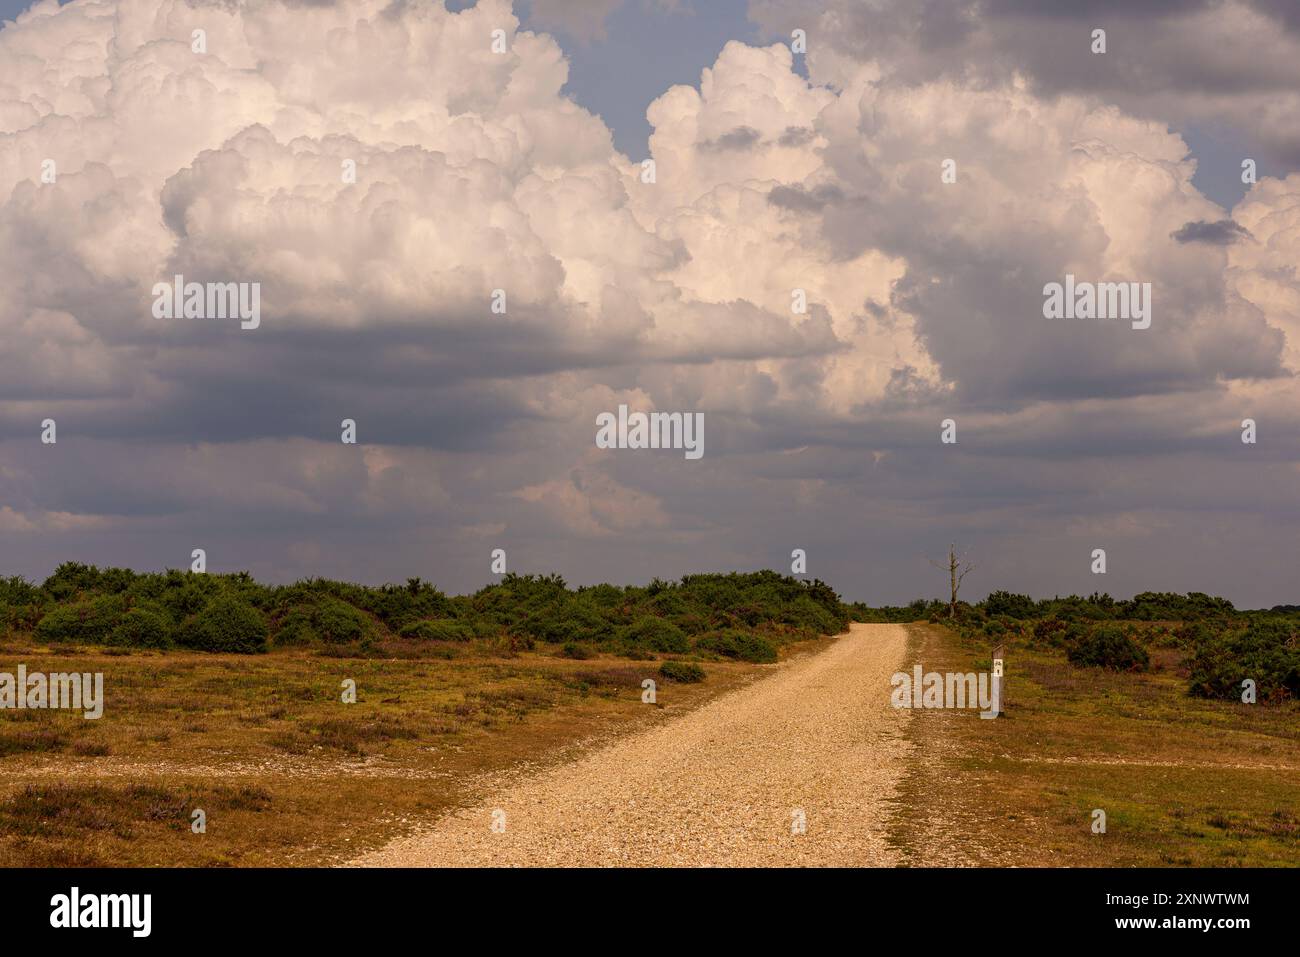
{"x":805,"y":270}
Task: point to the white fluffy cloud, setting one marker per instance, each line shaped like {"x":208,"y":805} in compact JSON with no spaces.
{"x":475,"y":172}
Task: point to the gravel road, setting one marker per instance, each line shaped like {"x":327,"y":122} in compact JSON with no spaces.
{"x":720,"y":786}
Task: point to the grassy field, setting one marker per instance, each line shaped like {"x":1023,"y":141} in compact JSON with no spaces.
{"x":286,"y":773}
{"x":1183,"y":781}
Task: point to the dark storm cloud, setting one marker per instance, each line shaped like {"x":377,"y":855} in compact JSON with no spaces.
{"x":1215,"y":62}
{"x":805,"y":200}
{"x":1088,"y":9}
{"x":740,"y":138}
{"x":796,"y":136}
{"x":1287,"y":12}
{"x":1223,"y":232}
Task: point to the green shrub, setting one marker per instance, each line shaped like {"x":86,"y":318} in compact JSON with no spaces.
{"x":520,"y":597}
{"x":227,"y":624}
{"x":1010,"y":605}
{"x":339,"y":623}
{"x":656,"y":634}
{"x":1096,"y":607}
{"x":686,"y":672}
{"x":84,"y":604}
{"x":668,"y":604}
{"x":19,"y":617}
{"x":1050,"y":631}
{"x":71,"y":579}
{"x":295,"y":628}
{"x":567,"y":621}
{"x":142,"y":628}
{"x":62,"y":623}
{"x":443,"y":630}
{"x":1266,"y":651}
{"x":739,"y":645}
{"x":1108,"y":646}
{"x":394,"y":605}
{"x":16,"y":590}
{"x":182,"y":594}
{"x":574,"y":650}
{"x":1166,"y":606}
{"x":88,"y":622}
{"x":20,"y":604}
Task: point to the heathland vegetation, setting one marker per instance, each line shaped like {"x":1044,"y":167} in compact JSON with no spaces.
{"x":737,"y":616}
{"x":226,"y":694}
{"x":1213,"y":645}
{"x":743,"y":617}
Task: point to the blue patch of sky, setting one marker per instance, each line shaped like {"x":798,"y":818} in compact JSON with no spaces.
{"x":646,"y":50}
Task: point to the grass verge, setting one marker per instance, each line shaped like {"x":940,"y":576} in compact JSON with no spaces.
{"x":1182,"y":781}
{"x":285,"y":772}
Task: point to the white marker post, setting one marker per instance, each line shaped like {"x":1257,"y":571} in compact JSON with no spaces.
{"x":998,"y":705}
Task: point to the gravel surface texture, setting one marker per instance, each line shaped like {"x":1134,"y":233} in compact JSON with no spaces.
{"x":728,"y":784}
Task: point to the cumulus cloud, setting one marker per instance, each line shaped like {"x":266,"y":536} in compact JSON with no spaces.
{"x":794,"y":265}
{"x":1235,"y":63}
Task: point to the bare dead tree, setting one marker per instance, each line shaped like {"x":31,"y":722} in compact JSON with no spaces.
{"x":957,"y":569}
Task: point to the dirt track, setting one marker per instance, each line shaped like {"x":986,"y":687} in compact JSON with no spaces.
{"x":717,"y":786}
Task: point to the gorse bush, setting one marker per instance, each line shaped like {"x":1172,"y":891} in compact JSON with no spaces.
{"x":737,"y":616}
{"x":142,"y":628}
{"x":567,"y":620}
{"x":1012,"y":606}
{"x":89,"y":621}
{"x":62,"y":623}
{"x":743,"y":616}
{"x":444,"y":630}
{"x":295,"y":627}
{"x":1096,"y":607}
{"x":919,"y":610}
{"x":656,"y":634}
{"x":1265,"y":650}
{"x":740,"y":645}
{"x":227,"y":624}
{"x":73,"y":578}
{"x":337,"y":622}
{"x":21,"y":604}
{"x":1050,"y":631}
{"x":1169,"y":606}
{"x":181,"y":594}
{"x":1110,"y":646}
{"x":18,"y":591}
{"x":1146,"y":606}
{"x":685,"y":672}
{"x":1220,"y":646}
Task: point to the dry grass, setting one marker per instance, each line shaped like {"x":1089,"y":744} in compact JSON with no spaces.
{"x":1183,"y":781}
{"x":285,"y":772}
